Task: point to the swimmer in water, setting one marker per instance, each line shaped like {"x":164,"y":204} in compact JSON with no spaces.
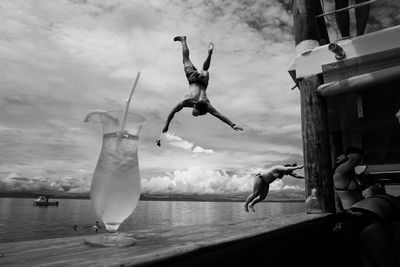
{"x":196,"y":98}
{"x":96,"y":227}
{"x":263,"y":179}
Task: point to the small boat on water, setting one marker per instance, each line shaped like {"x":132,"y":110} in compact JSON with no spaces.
{"x":44,"y":201}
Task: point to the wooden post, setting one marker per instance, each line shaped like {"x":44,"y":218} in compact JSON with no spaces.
{"x":306,"y":26}
{"x":316,"y":152}
{"x":314,"y":120}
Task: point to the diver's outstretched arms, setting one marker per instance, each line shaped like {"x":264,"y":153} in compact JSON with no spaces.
{"x":295,"y":175}
{"x":158,"y":142}
{"x":210,"y":47}
{"x":218,"y":115}
{"x":289,"y":168}
{"x":236,"y":128}
{"x":184,"y":104}
{"x":179,"y":38}
{"x":171,"y":115}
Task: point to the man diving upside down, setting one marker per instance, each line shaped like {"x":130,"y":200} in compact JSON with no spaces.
{"x":198,"y":82}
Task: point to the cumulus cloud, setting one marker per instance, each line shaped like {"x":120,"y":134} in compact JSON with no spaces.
{"x":205,"y":181}
{"x":199,"y":149}
{"x":61,"y":59}
{"x":291,"y":187}
{"x":15,"y":183}
{"x":177,"y":141}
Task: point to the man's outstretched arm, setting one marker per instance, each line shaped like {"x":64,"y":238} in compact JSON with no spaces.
{"x":295,"y":175}
{"x":215,"y":113}
{"x":289,"y":168}
{"x":176,"y":109}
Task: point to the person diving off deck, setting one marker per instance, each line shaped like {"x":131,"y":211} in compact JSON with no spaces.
{"x":263,"y":179}
{"x":198,"y":83}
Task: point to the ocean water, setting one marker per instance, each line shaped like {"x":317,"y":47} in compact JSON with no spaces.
{"x":20,"y":220}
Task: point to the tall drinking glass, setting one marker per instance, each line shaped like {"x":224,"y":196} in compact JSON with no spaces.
{"x":115,"y":187}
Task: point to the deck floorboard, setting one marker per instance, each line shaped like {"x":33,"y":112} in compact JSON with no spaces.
{"x":152,"y":245}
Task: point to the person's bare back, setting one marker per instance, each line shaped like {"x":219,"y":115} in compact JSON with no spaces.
{"x":263,"y":179}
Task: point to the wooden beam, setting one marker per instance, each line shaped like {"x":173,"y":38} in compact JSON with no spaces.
{"x":360,"y":65}
{"x":360,"y":82}
{"x":383,"y":41}
{"x":316,"y":151}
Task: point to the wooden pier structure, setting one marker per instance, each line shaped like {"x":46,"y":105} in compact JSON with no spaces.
{"x":346,"y":101}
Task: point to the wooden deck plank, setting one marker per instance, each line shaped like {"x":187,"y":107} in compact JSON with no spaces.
{"x":152,"y":245}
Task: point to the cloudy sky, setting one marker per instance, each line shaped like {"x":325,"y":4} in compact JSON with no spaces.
{"x":62,"y":59}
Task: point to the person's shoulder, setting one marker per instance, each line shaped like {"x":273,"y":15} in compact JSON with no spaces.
{"x":277,"y":168}
{"x":273,"y":170}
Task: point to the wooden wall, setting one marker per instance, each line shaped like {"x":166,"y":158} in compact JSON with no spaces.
{"x":367,"y":120}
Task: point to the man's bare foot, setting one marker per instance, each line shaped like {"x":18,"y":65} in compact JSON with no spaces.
{"x":252,"y":208}
{"x":210,"y":47}
{"x":246,"y":209}
{"x":179,"y":38}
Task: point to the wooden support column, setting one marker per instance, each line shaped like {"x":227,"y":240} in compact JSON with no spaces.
{"x":316,"y":151}
{"x":310,"y":33}
{"x":306,"y":26}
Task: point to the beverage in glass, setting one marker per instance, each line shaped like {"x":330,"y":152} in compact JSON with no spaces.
{"x":115,"y":187}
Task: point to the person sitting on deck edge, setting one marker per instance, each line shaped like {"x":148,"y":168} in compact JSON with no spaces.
{"x":369,"y":224}
{"x":198,"y":82}
{"x":263,"y":179}
{"x":344,"y":178}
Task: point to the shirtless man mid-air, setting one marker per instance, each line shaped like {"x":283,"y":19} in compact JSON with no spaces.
{"x":198,"y":82}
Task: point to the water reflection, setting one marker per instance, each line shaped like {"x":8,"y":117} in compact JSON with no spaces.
{"x":20,"y":220}
{"x":181,"y":213}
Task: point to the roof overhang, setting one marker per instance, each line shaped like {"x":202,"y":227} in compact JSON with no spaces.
{"x":310,"y":62}
{"x":360,"y":82}
{"x":385,"y":173}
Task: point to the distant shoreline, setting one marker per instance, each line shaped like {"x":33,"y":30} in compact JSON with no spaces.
{"x":196,"y":198}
